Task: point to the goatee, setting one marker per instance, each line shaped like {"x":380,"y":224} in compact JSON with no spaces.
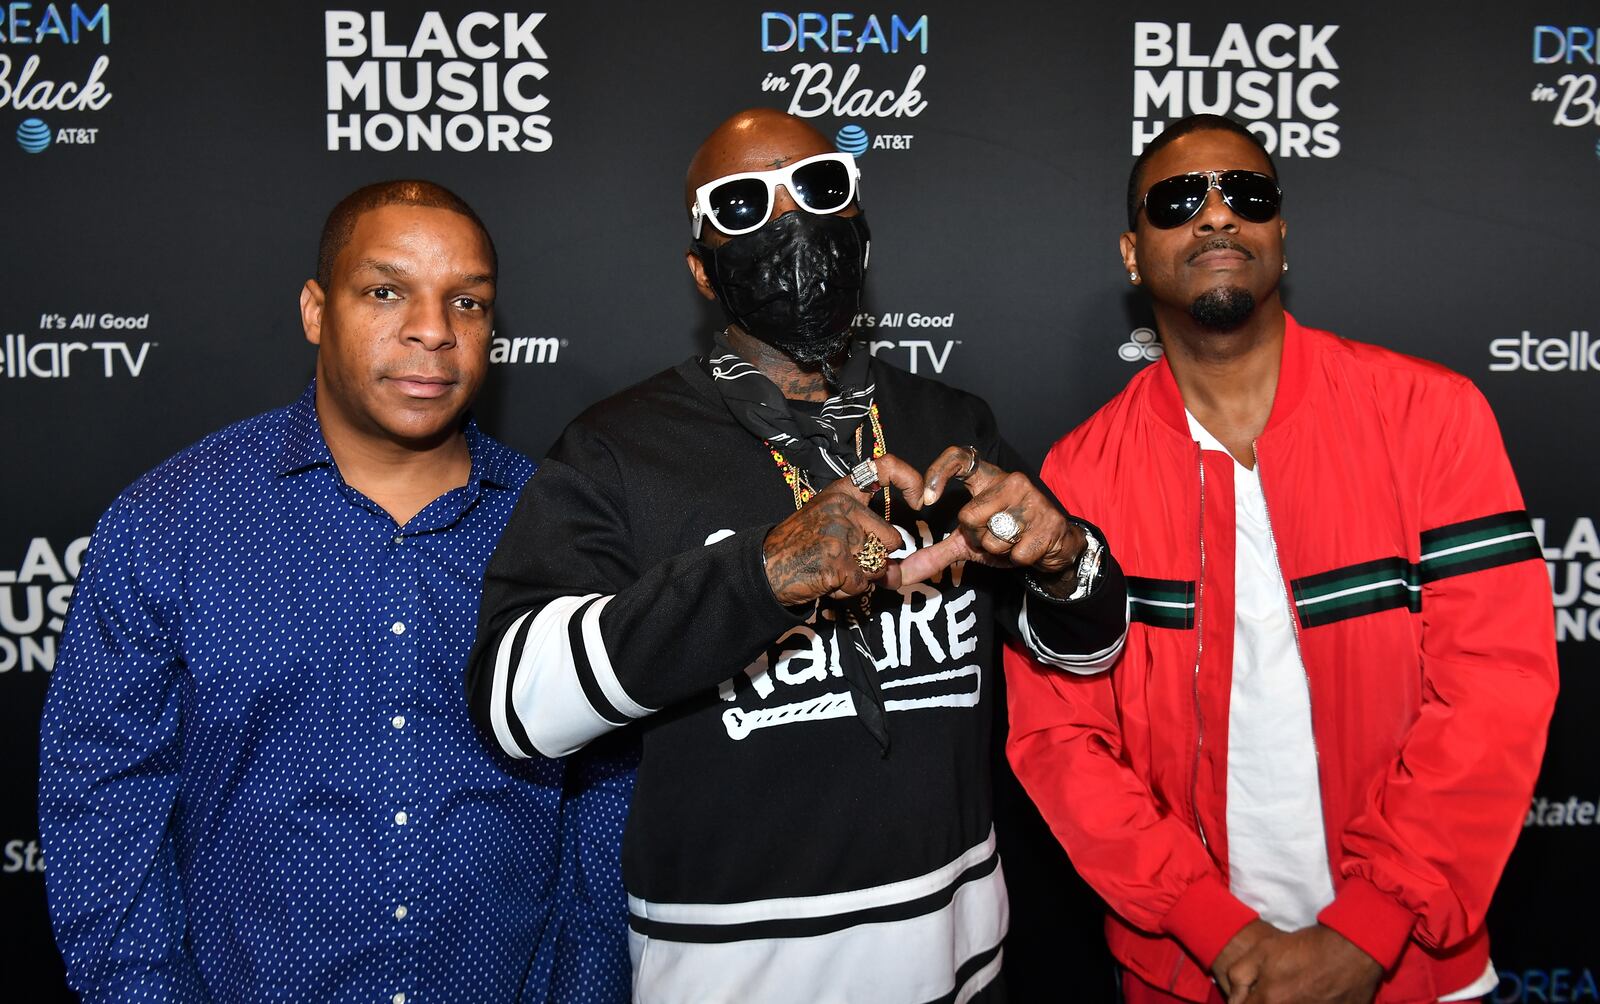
{"x":1223,"y":308}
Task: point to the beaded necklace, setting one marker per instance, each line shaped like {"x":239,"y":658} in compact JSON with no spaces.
{"x":800,"y":485}
{"x":803,"y":492}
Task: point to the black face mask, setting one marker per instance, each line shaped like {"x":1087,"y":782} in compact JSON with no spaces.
{"x":795,"y":283}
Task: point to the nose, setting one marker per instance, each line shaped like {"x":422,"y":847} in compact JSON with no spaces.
{"x":429,"y":324}
{"x":783,"y":202}
{"x":1214,"y":215}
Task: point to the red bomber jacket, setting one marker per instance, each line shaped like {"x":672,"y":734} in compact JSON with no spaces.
{"x":1424,"y":620}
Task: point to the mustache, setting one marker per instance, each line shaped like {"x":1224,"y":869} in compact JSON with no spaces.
{"x":1222,"y":243}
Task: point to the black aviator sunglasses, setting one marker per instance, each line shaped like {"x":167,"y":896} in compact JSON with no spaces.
{"x":1172,"y":202}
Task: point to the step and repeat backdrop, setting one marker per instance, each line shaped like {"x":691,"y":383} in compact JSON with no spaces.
{"x":167,"y":167}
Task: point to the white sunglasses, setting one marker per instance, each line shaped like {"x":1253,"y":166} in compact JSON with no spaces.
{"x":741,"y":203}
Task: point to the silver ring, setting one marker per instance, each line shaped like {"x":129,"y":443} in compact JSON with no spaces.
{"x":972,"y":463}
{"x":865,"y":476}
{"x":1005,"y":526}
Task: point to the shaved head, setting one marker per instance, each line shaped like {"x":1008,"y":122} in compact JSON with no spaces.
{"x":757,"y":139}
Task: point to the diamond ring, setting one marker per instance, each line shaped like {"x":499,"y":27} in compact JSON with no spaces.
{"x":1005,"y":526}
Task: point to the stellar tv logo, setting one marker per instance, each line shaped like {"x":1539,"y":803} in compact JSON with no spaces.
{"x":838,"y":64}
{"x":1574,"y":566}
{"x":1278,"y":78}
{"x":51,"y":358}
{"x":33,"y":604}
{"x":1579,"y":352}
{"x":476,"y":84}
{"x":1572,"y":51}
{"x":44,"y":67}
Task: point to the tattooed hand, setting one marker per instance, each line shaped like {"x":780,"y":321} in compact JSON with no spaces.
{"x":813,"y":553}
{"x":1048,"y":544}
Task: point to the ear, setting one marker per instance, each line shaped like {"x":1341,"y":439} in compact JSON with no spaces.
{"x":311,"y":301}
{"x":697,"y":268}
{"x":1129,"y":244}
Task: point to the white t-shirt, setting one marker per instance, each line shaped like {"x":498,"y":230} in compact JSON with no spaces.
{"x":1277,"y":850}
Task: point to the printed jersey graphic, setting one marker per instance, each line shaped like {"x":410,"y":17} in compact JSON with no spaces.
{"x":924,"y":625}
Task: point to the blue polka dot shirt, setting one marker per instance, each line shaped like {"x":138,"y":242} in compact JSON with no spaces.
{"x":258,"y":779}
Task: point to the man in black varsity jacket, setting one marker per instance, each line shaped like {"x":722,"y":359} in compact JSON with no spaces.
{"x":788,"y":562}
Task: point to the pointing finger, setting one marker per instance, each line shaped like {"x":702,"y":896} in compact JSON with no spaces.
{"x":955,"y":463}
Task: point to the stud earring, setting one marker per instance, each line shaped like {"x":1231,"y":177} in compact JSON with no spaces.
{"x":1286,"y":264}
{"x":1133,"y":276}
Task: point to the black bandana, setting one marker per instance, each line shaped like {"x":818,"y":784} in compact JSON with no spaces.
{"x":821,"y":447}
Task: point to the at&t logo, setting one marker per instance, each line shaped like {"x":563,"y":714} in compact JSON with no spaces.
{"x":33,"y":135}
{"x":852,"y":139}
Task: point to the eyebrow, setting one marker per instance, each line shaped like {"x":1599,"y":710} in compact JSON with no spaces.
{"x":400,"y":272}
{"x":386,"y":267}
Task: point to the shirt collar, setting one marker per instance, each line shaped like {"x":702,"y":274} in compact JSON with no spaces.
{"x":304,"y":446}
{"x":1293,"y":373}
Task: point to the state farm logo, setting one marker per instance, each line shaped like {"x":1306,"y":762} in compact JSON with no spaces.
{"x":1555,"y":812}
{"x":525,"y":350}
{"x":23,"y":857}
{"x":33,"y":604}
{"x":428,"y":84}
{"x":1143,"y":346}
{"x":1278,"y":78}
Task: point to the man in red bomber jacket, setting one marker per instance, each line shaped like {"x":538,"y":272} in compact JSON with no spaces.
{"x":1303,"y":779}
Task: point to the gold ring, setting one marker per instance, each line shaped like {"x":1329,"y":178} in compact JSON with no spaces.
{"x":873,"y":555}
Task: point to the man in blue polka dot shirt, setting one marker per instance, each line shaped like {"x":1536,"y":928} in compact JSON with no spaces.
{"x":259,"y":780}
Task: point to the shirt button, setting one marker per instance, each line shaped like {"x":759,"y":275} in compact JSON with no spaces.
{"x":398,"y":721}
{"x":398,"y":999}
{"x":399,"y":539}
{"x":398,"y":627}
{"x":400,"y":818}
{"x":400,"y":912}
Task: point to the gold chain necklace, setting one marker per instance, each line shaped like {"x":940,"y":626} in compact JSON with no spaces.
{"x":803,"y":492}
{"x":800,"y":485}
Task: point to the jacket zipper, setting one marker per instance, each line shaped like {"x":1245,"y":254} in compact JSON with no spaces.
{"x":1199,"y":715}
{"x":1294,"y":624}
{"x":1199,"y":647}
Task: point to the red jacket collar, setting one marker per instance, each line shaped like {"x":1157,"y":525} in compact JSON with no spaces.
{"x":1299,"y":350}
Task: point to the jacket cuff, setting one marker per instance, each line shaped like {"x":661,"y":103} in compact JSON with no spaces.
{"x":1370,"y":919}
{"x":1205,"y":918}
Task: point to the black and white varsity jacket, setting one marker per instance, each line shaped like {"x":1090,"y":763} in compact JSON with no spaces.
{"x":773,"y":853}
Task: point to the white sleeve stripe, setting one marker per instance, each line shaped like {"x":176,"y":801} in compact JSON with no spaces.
{"x":600,"y":665}
{"x":546,"y":692}
{"x":1086,"y":664}
{"x":497,"y":691}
